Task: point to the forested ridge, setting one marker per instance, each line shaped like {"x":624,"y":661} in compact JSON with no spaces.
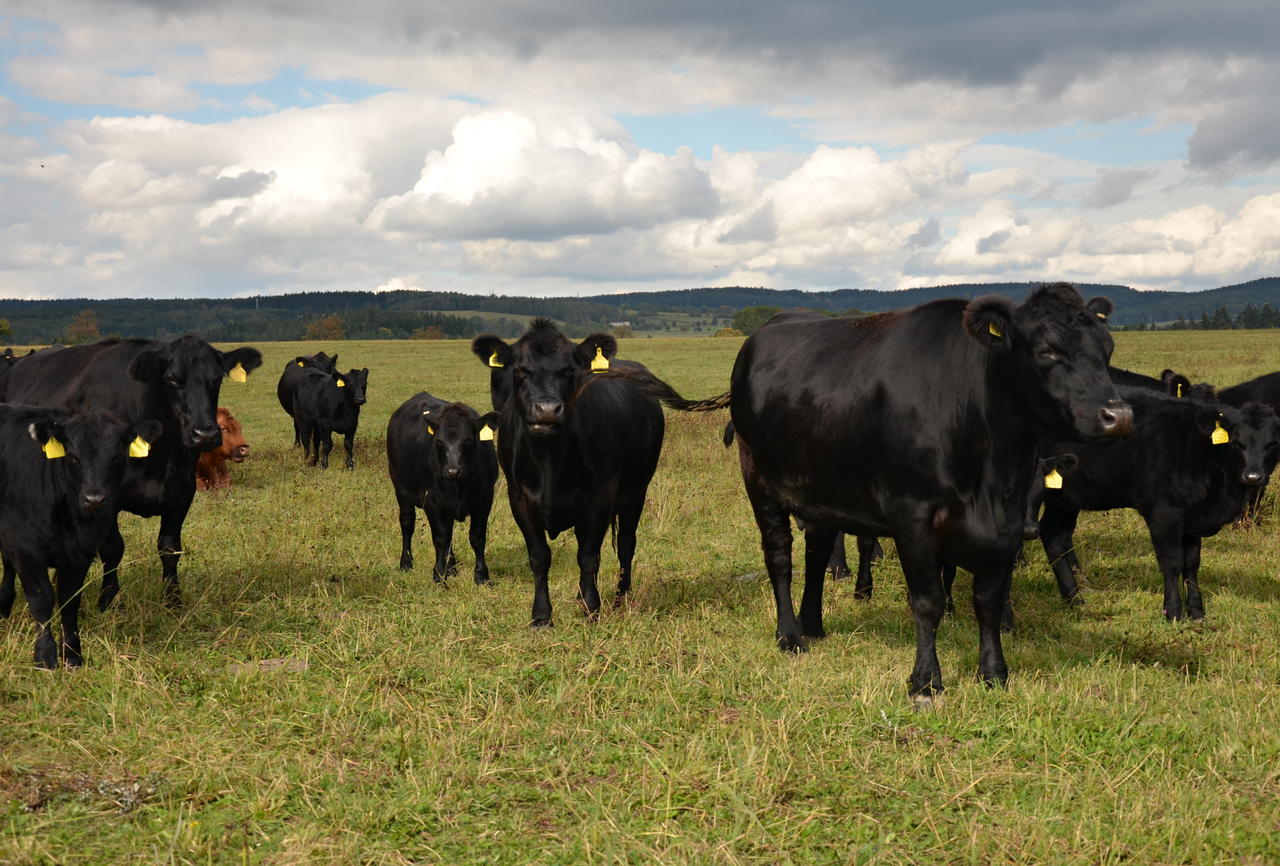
{"x":413,"y":314}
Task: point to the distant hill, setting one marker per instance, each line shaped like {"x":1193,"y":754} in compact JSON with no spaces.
{"x":392,"y":315}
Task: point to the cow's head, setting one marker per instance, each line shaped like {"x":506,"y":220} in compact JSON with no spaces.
{"x":1051,"y":474}
{"x":187,"y":375}
{"x":234,"y":446}
{"x":1052,"y":354}
{"x":455,"y":435}
{"x":546,"y":371}
{"x":1248,"y":436}
{"x":353,"y":384}
{"x":90,"y":450}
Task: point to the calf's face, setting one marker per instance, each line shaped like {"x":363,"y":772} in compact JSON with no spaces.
{"x":91,"y":451}
{"x":1053,"y":352}
{"x":234,"y":446}
{"x":455,"y":436}
{"x":1251,"y":433}
{"x":354,"y":382}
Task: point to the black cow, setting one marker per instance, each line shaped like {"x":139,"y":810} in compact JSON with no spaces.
{"x":1187,"y":468}
{"x":176,"y":383}
{"x":292,"y":377}
{"x":1264,"y":389}
{"x":921,"y":424}
{"x":870,"y":552}
{"x":441,"y":459}
{"x":61,"y":473}
{"x":578,"y":451}
{"x":328,"y":403}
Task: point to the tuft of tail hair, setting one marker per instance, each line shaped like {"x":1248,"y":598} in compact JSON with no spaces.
{"x":667,"y":395}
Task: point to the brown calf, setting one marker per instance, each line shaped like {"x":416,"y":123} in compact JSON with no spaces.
{"x":211,"y":469}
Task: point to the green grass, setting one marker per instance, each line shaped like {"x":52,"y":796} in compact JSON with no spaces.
{"x":414,"y":722}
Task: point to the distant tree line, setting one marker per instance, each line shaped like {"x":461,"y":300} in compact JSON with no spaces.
{"x":1250,"y":318}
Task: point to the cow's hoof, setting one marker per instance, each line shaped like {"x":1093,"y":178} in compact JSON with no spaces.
{"x":482,"y":579}
{"x":107,"y":597}
{"x":838,"y":573}
{"x":540,"y":623}
{"x":924,"y":703}
{"x":813,"y":630}
{"x":791,"y":643}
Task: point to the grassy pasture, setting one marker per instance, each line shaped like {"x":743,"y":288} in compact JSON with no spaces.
{"x":312,"y":704}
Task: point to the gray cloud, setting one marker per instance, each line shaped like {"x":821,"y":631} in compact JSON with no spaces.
{"x":1114,"y":186}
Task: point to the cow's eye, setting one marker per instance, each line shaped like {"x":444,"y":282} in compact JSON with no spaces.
{"x":1045,"y":353}
{"x":172,"y":380}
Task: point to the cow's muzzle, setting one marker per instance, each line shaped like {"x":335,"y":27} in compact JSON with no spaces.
{"x":205,"y":438}
{"x":1115,"y":419}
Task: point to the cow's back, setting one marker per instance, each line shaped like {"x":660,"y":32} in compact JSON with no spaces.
{"x":95,"y":376}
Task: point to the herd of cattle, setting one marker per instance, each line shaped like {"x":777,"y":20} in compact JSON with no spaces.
{"x":946,"y":427}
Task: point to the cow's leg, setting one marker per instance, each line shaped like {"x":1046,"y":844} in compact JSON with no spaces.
{"x":1165,"y":526}
{"x":110,"y":551}
{"x":7,"y":588}
{"x":948,"y":581}
{"x":590,"y":535}
{"x":478,"y":535}
{"x":535,"y":542}
{"x":867,"y":547}
{"x":349,"y":443}
{"x":990,"y":601}
{"x":40,"y":598}
{"x":1191,"y":576}
{"x":408,"y":519}
{"x":1057,"y":528}
{"x":442,"y":539}
{"x":311,"y":444}
{"x":818,"y":541}
{"x":922,"y":569}
{"x":70,"y":586}
{"x":775,"y":539}
{"x":169,"y":543}
{"x":838,"y":565}
{"x":325,"y":439}
{"x":297,"y":434}
{"x":628,"y":521}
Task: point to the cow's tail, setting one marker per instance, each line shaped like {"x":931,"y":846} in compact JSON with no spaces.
{"x":728,"y":434}
{"x":664,"y":393}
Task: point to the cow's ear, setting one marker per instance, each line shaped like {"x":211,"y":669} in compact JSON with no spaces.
{"x":148,"y":431}
{"x":989,"y":320}
{"x":1177,"y":385}
{"x":488,"y":419}
{"x":1209,"y":419}
{"x":244,"y":361}
{"x":491,"y":350}
{"x":1100,"y":307}
{"x":594,"y":347}
{"x":1064,"y":463}
{"x":149,"y":366}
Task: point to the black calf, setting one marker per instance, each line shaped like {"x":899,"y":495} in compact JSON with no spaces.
{"x":441,"y":459}
{"x":61,"y":474}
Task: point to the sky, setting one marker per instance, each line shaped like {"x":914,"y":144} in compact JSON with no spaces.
{"x":226,"y":148}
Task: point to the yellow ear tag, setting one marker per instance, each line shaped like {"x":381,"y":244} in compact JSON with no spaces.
{"x":493,"y":359}
{"x":53,"y":449}
{"x":1102,"y":316}
{"x":599,"y":363}
{"x":993,"y":330}
{"x":486,"y":433}
{"x":431,"y":430}
{"x":342,"y":383}
{"x":238,"y":374}
{"x":1219,"y":437}
{"x":139,"y":447}
{"x":300,"y":364}
{"x":1179,"y":389}
{"x":1053,"y":480}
